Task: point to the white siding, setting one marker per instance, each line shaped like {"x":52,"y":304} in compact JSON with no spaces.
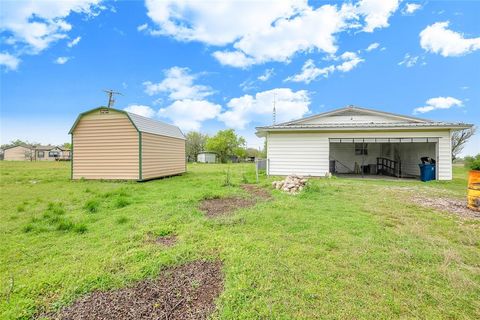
{"x":444,"y":162}
{"x":308,"y":153}
{"x":297,"y":153}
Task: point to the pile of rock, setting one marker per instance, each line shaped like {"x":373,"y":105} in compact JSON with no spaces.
{"x":291,"y":184}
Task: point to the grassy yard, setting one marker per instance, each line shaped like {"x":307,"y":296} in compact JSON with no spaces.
{"x":342,"y":249}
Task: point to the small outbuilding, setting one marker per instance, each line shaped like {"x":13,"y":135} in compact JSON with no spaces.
{"x":114,"y":144}
{"x":207,"y":157}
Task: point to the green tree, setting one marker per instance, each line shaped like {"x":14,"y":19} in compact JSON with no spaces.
{"x":195,"y":144}
{"x":15,"y":143}
{"x":226,"y":143}
{"x":67,"y":145}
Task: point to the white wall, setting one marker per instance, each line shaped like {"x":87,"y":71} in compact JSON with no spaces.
{"x":299,"y":153}
{"x":307,"y":153}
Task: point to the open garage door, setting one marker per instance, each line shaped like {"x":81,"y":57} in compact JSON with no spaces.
{"x":398,"y":157}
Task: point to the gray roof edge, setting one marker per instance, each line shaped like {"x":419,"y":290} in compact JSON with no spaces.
{"x":386,"y":125}
{"x":132,"y":116}
{"x":352,"y":107}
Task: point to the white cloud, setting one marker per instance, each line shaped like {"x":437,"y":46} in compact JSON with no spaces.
{"x":266,"y":75}
{"x":34,"y":25}
{"x":233,"y":58}
{"x":410,"y":8}
{"x":141,"y":110}
{"x":218,"y":24}
{"x":409,"y":60}
{"x":61,"y":60}
{"x":437,"y":38}
{"x":377,"y":13}
{"x":178,"y":84}
{"x":74,"y":42}
{"x":351,"y":60}
{"x":9,"y":61}
{"x":372,"y":46}
{"x":246,"y":109}
{"x":439,"y":103}
{"x":189,"y":114}
{"x":311,"y":72}
{"x":263,"y":31}
{"x":142,"y":27}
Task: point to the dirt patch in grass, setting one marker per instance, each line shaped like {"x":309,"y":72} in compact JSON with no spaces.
{"x":167,"y":241}
{"x":257,"y":191}
{"x":223,"y":206}
{"x":457,"y":207}
{"x":215,"y":207}
{"x":188,"y":291}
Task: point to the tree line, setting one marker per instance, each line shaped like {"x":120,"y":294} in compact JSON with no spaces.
{"x":225,"y":143}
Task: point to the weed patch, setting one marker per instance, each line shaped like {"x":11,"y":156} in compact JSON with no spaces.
{"x":92,"y":205}
{"x":121,"y":202}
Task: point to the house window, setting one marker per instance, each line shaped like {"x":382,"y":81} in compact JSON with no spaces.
{"x":53,"y":154}
{"x":361,"y":149}
{"x":41,"y":154}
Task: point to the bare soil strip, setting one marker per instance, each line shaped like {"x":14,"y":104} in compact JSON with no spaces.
{"x":188,"y":291}
{"x":224,"y":206}
{"x":167,"y":241}
{"x":457,"y":207}
{"x":257,"y":191}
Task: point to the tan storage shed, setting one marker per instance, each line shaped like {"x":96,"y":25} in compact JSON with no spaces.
{"x":114,"y":144}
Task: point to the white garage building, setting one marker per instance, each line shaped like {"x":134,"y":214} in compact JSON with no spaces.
{"x":359,"y":141}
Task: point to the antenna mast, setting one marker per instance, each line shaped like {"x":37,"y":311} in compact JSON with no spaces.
{"x":274,"y":108}
{"x":111,"y":99}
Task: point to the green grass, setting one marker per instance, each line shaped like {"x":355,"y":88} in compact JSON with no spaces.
{"x":342,"y":249}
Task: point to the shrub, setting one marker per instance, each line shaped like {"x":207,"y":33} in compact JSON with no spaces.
{"x":473,"y":163}
{"x":92,"y":205}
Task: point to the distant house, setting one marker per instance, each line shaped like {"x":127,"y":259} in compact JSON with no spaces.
{"x":358,"y":140}
{"x":18,"y":153}
{"x":207,"y":157}
{"x":114,"y":144}
{"x":51,"y":153}
{"x":36,"y":153}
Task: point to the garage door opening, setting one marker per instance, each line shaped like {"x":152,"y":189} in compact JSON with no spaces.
{"x":373,"y":157}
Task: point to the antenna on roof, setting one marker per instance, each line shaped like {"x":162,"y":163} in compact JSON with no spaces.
{"x":274,"y":108}
{"x":111,"y":99}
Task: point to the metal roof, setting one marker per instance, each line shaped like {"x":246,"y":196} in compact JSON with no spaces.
{"x":142,"y":124}
{"x":369,"y":125}
{"x":148,"y":125}
{"x":356,"y":108}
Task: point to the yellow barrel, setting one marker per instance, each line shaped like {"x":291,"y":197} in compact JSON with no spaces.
{"x":474,"y":190}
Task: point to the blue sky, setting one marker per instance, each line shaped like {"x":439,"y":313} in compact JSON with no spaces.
{"x":213,"y":65}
